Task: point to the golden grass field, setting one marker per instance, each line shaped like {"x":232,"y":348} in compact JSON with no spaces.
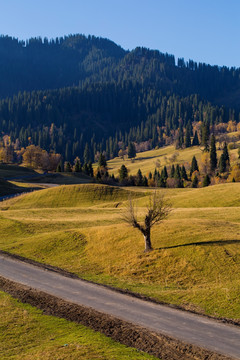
{"x":196,"y":257}
{"x":147,"y":160}
{"x":26,"y":334}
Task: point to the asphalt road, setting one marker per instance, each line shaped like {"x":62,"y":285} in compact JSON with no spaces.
{"x":190,"y":328}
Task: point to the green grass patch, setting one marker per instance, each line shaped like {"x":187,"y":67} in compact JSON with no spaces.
{"x":25,"y":333}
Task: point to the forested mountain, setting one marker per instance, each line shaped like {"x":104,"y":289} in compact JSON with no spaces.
{"x":40,"y":64}
{"x":104,"y":97}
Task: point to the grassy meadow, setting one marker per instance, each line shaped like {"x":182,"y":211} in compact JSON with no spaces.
{"x":148,"y":160}
{"x":26,"y":334}
{"x":196,"y":257}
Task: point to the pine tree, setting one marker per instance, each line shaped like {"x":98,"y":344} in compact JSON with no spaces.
{"x":195,"y":182}
{"x":206,"y":181}
{"x":102,"y":161}
{"x":194,"y":165}
{"x":205,"y":136}
{"x":165,"y":173}
{"x":87,"y":154}
{"x":78,"y":166}
{"x":67,"y":167}
{"x":195,"y":141}
{"x":131,"y":150}
{"x":187,"y":141}
{"x":213,"y":154}
{"x":177,"y":174}
{"x":222,"y":165}
{"x":184,"y":173}
{"x":59,"y":169}
{"x":123,"y":173}
{"x":225,"y":154}
{"x":139,"y":178}
{"x":172,"y":171}
{"x":90,"y":169}
{"x":145,"y":181}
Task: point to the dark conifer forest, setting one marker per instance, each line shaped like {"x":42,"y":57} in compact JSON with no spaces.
{"x":75,"y":92}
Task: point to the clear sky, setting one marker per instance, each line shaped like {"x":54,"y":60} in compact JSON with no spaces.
{"x":205,"y":31}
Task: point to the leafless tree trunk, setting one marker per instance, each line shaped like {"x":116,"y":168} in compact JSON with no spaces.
{"x":157,"y":210}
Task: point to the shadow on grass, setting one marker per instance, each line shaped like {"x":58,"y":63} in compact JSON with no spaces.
{"x":202,"y":243}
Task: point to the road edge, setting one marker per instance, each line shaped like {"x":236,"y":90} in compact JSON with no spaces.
{"x":121,"y":291}
{"x":161,"y":346}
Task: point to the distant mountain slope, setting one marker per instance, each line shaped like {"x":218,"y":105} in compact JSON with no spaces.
{"x":76,"y":59}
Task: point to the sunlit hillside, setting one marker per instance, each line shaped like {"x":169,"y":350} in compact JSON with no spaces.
{"x":196,"y":257}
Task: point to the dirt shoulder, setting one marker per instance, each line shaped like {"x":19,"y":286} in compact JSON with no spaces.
{"x":128,"y":334}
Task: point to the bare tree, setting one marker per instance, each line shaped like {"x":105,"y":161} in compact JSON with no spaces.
{"x":157,"y":210}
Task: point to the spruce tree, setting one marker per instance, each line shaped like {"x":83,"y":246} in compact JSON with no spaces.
{"x":68,"y":167}
{"x":222,"y":165}
{"x":205,"y":135}
{"x":78,"y":166}
{"x":194,"y":165}
{"x":131,"y":150}
{"x":172,"y":171}
{"x":187,"y":141}
{"x":213,"y":154}
{"x":184,"y":173}
{"x":87,"y":154}
{"x":102,"y":161}
{"x":195,"y":182}
{"x":123,"y":173}
{"x":90,"y":169}
{"x":139,"y":178}
{"x":195,"y":141}
{"x":165,"y":173}
{"x":177,"y":173}
{"x":225,"y":153}
{"x":59,"y":169}
{"x":206,"y":181}
{"x":145,"y":181}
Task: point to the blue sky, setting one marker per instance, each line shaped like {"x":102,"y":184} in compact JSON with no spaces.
{"x":205,"y":31}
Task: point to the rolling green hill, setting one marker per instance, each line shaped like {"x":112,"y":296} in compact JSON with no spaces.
{"x":196,"y":258}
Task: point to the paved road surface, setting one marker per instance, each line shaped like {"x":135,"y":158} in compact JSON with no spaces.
{"x":206,"y":333}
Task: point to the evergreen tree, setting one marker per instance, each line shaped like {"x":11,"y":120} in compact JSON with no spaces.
{"x":162,"y":182}
{"x":139,"y":178}
{"x":194,"y":165}
{"x":195,"y":141}
{"x":177,"y":174}
{"x":195,"y":182}
{"x":145,"y":181}
{"x":222,"y":165}
{"x":59,"y":169}
{"x":131,"y":150}
{"x":78,"y":166}
{"x":184,"y":173}
{"x":205,"y":135}
{"x":150,"y":175}
{"x":123,"y":173}
{"x":90,"y":169}
{"x":164,"y":173}
{"x":172,"y":171}
{"x":68,"y":167}
{"x":206,"y":181}
{"x":85,"y":169}
{"x":187,"y":141}
{"x":87,"y":154}
{"x":225,"y":154}
{"x":102,"y":161}
{"x":213,"y":154}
